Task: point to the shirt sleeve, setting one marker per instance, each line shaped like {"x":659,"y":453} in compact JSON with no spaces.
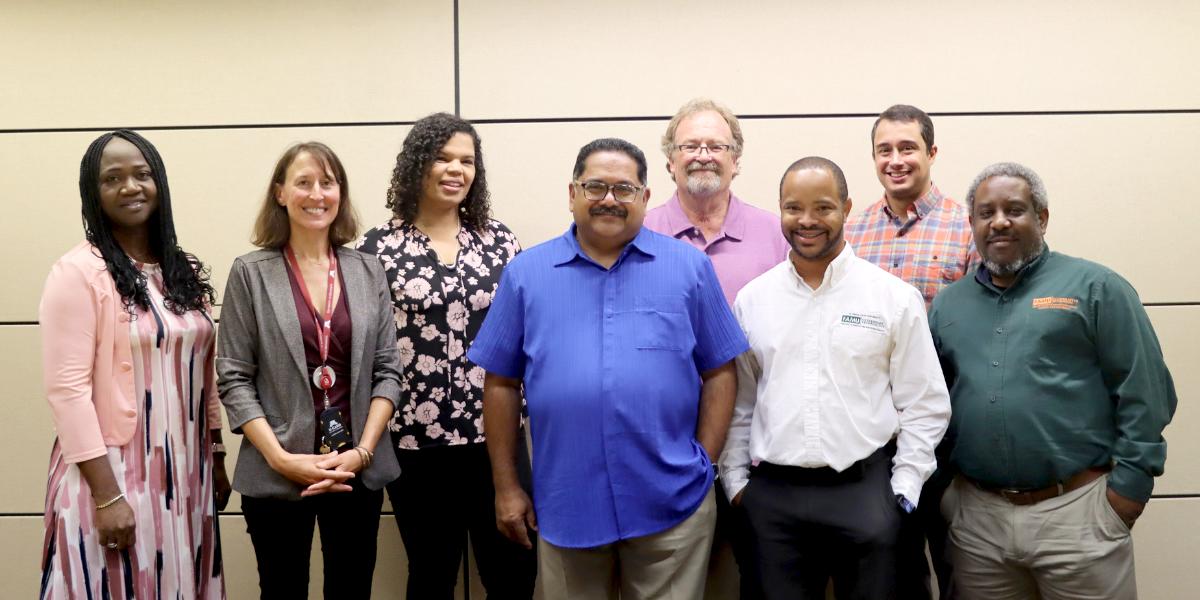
{"x":68,"y":319}
{"x":1138,"y":382}
{"x":237,"y":351}
{"x":920,"y":397}
{"x":719,"y":339}
{"x":499,"y":346}
{"x":385,"y":374}
{"x":735,"y":458}
{"x":212,"y":399}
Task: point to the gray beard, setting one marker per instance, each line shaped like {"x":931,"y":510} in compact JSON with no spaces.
{"x":703,"y":184}
{"x":1013,"y":267}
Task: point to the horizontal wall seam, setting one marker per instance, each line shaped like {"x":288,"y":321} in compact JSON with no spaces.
{"x":603,"y":119}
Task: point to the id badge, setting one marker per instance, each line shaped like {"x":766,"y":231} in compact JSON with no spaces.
{"x":335,"y":436}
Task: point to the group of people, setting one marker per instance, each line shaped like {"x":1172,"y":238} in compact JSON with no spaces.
{"x":826,"y":394}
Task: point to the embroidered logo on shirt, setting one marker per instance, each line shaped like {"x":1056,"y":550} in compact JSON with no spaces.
{"x":872,"y":322}
{"x":1055,"y":302}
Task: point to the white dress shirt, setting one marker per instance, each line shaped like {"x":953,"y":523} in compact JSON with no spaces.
{"x":834,"y":373}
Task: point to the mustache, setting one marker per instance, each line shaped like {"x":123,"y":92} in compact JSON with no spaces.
{"x":608,"y":209}
{"x":699,"y":166}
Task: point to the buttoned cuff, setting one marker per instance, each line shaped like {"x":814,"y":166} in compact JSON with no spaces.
{"x":734,"y":480}
{"x":907,"y":485}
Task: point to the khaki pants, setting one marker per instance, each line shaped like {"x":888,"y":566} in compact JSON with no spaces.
{"x":670,"y":565}
{"x":1070,"y":547}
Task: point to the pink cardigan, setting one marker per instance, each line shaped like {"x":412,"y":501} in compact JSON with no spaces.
{"x":87,"y":365}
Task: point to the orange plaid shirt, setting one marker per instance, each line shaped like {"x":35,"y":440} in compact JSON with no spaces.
{"x":930,"y":249}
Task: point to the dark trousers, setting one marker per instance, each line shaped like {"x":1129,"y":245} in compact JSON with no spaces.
{"x":282,"y":532}
{"x":733,"y":528}
{"x":810,"y":525}
{"x":442,"y":496}
{"x":926,"y":523}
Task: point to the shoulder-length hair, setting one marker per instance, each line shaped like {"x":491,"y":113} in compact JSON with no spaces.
{"x":420,"y":149}
{"x":185,"y":278}
{"x":272,"y":228}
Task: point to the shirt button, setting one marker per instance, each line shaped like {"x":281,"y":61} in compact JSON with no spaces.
{"x":999,"y":330}
{"x":995,"y":363}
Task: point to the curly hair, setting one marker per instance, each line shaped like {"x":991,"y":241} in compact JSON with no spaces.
{"x":420,"y":149}
{"x":185,"y":278}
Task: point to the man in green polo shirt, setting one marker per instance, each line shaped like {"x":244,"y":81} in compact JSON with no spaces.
{"x":1060,"y":396}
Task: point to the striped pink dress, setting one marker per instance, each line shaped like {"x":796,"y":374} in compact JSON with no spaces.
{"x":165,"y":472}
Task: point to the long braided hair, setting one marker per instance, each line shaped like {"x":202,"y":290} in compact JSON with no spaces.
{"x":185,"y":278}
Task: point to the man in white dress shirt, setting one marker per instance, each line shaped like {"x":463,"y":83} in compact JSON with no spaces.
{"x":841,"y":401}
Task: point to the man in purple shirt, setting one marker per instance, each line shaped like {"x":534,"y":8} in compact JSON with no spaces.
{"x":703,"y":144}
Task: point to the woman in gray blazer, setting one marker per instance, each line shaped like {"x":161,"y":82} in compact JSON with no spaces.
{"x":308,"y":372}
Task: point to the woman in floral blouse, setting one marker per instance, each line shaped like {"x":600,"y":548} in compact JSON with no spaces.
{"x":443,"y":254}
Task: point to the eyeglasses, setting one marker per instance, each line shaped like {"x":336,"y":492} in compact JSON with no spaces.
{"x":713,"y":149}
{"x":596,"y":191}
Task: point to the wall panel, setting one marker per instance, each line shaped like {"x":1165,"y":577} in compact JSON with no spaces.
{"x":1166,"y":544}
{"x":1178,"y":328}
{"x":106,"y":64}
{"x":632,"y":58}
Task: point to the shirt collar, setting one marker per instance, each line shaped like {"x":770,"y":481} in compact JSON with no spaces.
{"x":834,"y":273}
{"x":922,"y":207}
{"x":734,"y":226}
{"x":568,"y":248}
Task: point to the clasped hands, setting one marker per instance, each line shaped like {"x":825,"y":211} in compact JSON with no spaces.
{"x":321,"y":473}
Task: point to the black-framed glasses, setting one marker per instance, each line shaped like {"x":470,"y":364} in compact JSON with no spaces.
{"x":596,"y":191}
{"x":697,"y":148}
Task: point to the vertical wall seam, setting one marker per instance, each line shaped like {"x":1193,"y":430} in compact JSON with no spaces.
{"x":457,"y":85}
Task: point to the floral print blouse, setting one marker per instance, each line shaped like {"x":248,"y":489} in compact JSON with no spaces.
{"x":439,"y":309}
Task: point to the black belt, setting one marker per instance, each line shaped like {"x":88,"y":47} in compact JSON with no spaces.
{"x":823,"y":475}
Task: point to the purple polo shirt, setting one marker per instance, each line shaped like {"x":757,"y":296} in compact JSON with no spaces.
{"x":750,"y":241}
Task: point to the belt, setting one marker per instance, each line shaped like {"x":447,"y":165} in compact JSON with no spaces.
{"x":823,"y":475}
{"x":1027,"y":497}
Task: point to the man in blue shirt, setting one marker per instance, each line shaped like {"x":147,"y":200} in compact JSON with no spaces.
{"x":624,"y":344}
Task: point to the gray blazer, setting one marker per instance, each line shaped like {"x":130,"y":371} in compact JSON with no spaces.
{"x":261,"y":371}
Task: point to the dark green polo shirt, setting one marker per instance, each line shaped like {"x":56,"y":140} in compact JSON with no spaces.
{"x":1058,"y":373}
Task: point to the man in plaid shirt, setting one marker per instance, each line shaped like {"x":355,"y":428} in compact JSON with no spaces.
{"x":914,"y":232}
{"x":924,"y":238}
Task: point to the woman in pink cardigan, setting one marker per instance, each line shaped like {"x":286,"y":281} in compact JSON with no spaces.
{"x":137,"y":470}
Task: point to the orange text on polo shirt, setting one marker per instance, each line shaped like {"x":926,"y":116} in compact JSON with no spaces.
{"x":1055,"y":302}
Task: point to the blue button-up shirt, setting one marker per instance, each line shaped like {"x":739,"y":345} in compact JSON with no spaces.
{"x":611,"y":362}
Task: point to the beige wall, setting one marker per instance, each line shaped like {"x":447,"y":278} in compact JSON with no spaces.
{"x":1093,"y":95}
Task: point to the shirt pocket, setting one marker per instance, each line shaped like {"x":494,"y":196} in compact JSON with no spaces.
{"x":858,"y":352}
{"x":660,"y":323}
{"x":938,"y":270}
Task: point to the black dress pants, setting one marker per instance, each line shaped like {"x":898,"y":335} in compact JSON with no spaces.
{"x":733,"y":528}
{"x":927,"y":523}
{"x":810,"y":525}
{"x":282,"y":532}
{"x":442,"y":496}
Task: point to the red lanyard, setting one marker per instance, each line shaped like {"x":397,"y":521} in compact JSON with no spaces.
{"x":323,"y":378}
